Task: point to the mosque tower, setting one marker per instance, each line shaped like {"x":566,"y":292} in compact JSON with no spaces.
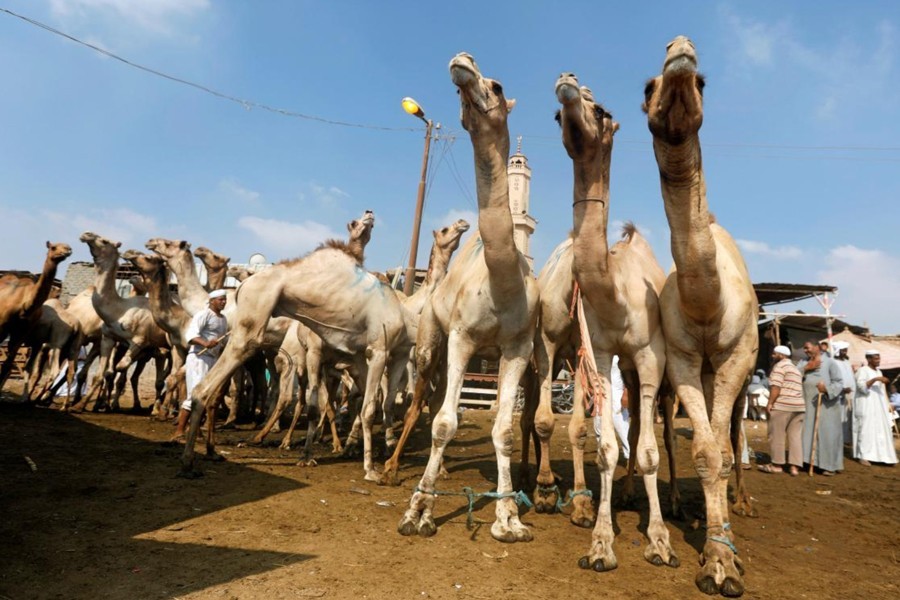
{"x":519,"y":174}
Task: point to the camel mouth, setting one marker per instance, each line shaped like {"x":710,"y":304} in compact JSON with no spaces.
{"x":368,"y":219}
{"x":463,"y":70}
{"x":681,"y":64}
{"x":567,"y":90}
{"x":87,"y":237}
{"x":462,"y":226}
{"x":132,"y":254}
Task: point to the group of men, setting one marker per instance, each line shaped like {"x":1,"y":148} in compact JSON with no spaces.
{"x":820,"y":404}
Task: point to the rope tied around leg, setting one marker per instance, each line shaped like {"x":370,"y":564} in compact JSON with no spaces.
{"x":570,"y":495}
{"x":471,"y":496}
{"x":721,"y":539}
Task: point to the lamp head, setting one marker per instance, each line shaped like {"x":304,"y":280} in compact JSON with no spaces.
{"x":413,"y":108}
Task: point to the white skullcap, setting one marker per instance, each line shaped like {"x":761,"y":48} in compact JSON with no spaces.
{"x":217,"y":294}
{"x":783,"y":350}
{"x":839,"y":345}
{"x":873,"y":353}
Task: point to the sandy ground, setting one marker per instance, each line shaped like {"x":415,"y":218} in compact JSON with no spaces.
{"x":103,"y":516}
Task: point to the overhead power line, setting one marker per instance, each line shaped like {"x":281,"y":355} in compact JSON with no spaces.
{"x":247,"y":104}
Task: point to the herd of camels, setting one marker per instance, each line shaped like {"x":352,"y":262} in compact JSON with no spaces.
{"x":695,"y":328}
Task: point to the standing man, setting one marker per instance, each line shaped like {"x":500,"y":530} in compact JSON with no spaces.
{"x":872,"y":438}
{"x":822,"y":376}
{"x":786,"y":410}
{"x":841,"y":349}
{"x":619,"y":407}
{"x":205,"y":335}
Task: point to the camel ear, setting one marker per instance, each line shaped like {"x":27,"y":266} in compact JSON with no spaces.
{"x":434,"y":232}
{"x":183,"y":245}
{"x":118,"y":244}
{"x":48,"y":243}
{"x":615,"y":126}
{"x":228,"y":259}
{"x":510,"y":104}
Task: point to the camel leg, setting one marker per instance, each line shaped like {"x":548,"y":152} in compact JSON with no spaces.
{"x":31,"y":371}
{"x":526,"y":427}
{"x":287,"y":371}
{"x":419,"y":516}
{"x":650,"y":362}
{"x":582,"y":507}
{"x":396,"y":372}
{"x":15,"y":342}
{"x":513,"y":361}
{"x":546,"y":494}
{"x":95,"y":351}
{"x":742,"y":505}
{"x":668,"y":404}
{"x":313,"y":377}
{"x":376,"y":360}
{"x":601,"y":556}
{"x":135,"y":379}
{"x":720,"y":570}
{"x":430,"y":346}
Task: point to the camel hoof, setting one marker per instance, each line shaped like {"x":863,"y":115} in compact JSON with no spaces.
{"x":732,"y":588}
{"x":311,"y":462}
{"x":707,"y":585}
{"x":372,"y":476}
{"x":601,"y":567}
{"x":213,"y":456}
{"x":584,"y":522}
{"x":188,"y":473}
{"x":427,"y":528}
{"x":407,"y":527}
{"x":229,"y":425}
{"x":389,"y":477}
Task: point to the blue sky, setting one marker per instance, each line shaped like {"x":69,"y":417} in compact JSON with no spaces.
{"x":800,"y":133}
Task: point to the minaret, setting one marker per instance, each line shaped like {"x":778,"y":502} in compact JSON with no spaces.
{"x":519,"y":174}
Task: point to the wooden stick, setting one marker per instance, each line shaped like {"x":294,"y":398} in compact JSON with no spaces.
{"x":812,"y":453}
{"x":205,"y":350}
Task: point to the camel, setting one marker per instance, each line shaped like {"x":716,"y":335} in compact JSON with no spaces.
{"x":216,"y":267}
{"x":329,"y":292}
{"x":315,"y":355}
{"x":21,"y":300}
{"x":59,"y":333}
{"x":621,"y":284}
{"x":168,"y":315}
{"x":708,"y":307}
{"x":487,"y":304}
{"x":239,"y":273}
{"x":125,"y":320}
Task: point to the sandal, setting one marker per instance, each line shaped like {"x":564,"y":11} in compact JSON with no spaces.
{"x":770,"y":469}
{"x":794,"y":471}
{"x":828,"y":473}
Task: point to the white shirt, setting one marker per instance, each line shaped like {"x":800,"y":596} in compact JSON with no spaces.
{"x":208,"y":325}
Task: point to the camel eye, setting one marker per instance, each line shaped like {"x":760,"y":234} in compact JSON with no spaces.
{"x":648,"y":89}
{"x":444,"y":230}
{"x":701,"y":83}
{"x":498,"y":89}
{"x":558,"y":117}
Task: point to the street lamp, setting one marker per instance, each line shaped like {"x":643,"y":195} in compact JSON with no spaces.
{"x":413,"y":108}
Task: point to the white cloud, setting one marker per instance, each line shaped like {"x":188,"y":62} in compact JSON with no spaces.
{"x":755,"y":247}
{"x":154,"y":15}
{"x":238,"y":192}
{"x":756,"y":40}
{"x":326,"y":195}
{"x":868,"y":289}
{"x":290,"y":239}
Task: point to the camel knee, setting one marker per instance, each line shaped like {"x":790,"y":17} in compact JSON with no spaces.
{"x":443,"y":429}
{"x":648,"y":460}
{"x":544,"y":425}
{"x":708,"y":464}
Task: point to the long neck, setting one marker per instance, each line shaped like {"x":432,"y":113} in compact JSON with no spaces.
{"x":693,"y":247}
{"x":170,"y":316}
{"x":494,"y":219}
{"x":437,"y":269}
{"x":193,"y":297}
{"x":105,"y":288}
{"x":590,"y":218}
{"x":215,"y":277}
{"x":41,"y":290}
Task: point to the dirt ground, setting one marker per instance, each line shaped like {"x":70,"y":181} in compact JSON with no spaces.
{"x":103,"y":516}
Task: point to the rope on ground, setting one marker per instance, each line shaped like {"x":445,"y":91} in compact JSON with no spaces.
{"x":471,"y":495}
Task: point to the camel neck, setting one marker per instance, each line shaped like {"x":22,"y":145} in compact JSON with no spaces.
{"x":693,"y":247}
{"x":169,"y":315}
{"x":105,"y":288}
{"x":41,"y":289}
{"x":437,"y":269}
{"x":193,"y":297}
{"x":215,"y":277}
{"x":590,"y":211}
{"x":494,"y":219}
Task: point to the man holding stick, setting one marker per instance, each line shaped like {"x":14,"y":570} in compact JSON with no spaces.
{"x":823,"y":386}
{"x":206,"y":334}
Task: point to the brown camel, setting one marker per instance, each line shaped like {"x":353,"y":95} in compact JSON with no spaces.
{"x":335,"y":297}
{"x":621,"y":284}
{"x":487,"y":304}
{"x":216,"y":267}
{"x":21,"y":300}
{"x":708,"y":307}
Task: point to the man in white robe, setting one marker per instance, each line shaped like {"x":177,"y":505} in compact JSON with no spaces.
{"x":872,"y":438}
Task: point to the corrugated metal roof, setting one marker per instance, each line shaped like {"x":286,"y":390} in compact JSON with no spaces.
{"x":779,"y":293}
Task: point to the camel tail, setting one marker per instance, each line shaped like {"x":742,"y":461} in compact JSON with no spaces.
{"x":628,"y":231}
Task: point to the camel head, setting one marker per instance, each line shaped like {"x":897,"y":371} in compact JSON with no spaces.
{"x":448,"y":237}
{"x":167,"y":248}
{"x":212,"y":260}
{"x":483,"y":109}
{"x":104,"y":252}
{"x":239,"y":273}
{"x":673,"y":100}
{"x":361,"y":229}
{"x":138,"y":288}
{"x":58,"y":252}
{"x":587,"y":127}
{"x":151,"y":266}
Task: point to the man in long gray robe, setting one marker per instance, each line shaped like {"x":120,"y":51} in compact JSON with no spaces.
{"x":821,"y":375}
